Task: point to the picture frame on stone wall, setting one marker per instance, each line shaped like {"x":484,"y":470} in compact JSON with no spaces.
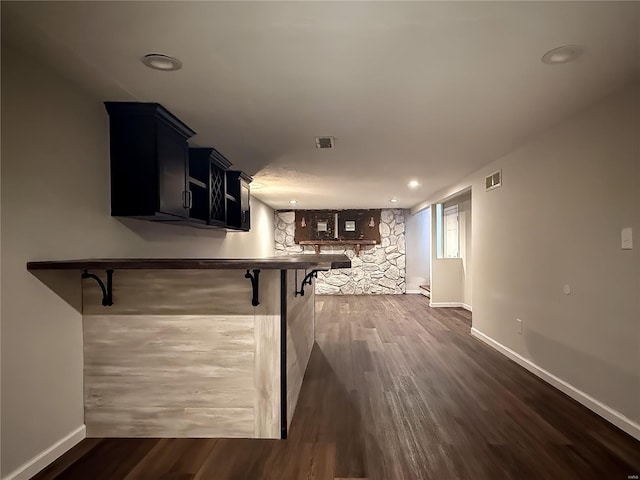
{"x":351,"y":223}
{"x":323,"y":225}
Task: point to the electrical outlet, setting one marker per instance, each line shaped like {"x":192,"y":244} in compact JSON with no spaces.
{"x":519,"y":326}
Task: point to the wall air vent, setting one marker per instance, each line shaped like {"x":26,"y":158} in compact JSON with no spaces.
{"x":324,"y":142}
{"x":493,"y":181}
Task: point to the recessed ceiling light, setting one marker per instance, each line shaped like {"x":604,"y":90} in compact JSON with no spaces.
{"x":393,"y":200}
{"x":159,"y":61}
{"x":293,"y":202}
{"x":413,"y":184}
{"x":564,"y":54}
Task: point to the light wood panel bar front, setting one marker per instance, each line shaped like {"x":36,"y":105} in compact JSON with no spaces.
{"x":183,"y":352}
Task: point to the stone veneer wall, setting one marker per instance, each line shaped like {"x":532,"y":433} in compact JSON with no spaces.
{"x":379,"y":268}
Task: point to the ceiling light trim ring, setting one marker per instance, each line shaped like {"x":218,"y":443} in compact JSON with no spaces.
{"x":161,"y":62}
{"x":563,"y":54}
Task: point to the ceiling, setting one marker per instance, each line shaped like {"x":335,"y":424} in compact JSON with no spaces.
{"x":419,"y":90}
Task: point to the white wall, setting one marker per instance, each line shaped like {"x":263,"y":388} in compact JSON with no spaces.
{"x":466,"y":253}
{"x":446,"y":282}
{"x":417,"y":238}
{"x":451,"y":277}
{"x":55,"y":205}
{"x":446,"y":273}
{"x":556,"y":220}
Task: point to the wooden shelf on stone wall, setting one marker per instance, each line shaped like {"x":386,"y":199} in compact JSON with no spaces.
{"x":317,"y":244}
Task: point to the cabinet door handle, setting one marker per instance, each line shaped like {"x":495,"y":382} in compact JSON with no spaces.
{"x":187,"y":199}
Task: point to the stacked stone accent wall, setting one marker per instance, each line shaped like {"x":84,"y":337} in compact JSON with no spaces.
{"x":380,"y":269}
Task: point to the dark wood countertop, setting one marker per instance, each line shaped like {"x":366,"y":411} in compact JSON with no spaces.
{"x":276,"y":263}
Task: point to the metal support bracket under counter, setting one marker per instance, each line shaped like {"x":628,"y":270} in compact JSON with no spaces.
{"x":255,"y":285}
{"x":107,"y":291}
{"x":308,"y":279}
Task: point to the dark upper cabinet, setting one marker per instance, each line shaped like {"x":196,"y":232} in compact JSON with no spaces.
{"x":156,"y":176}
{"x":245,"y":205}
{"x":149,"y":162}
{"x":207,"y":184}
{"x":238,"y":200}
{"x":173,"y":159}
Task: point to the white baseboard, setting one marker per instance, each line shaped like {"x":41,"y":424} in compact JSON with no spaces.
{"x":44,"y":458}
{"x":444,"y":304}
{"x":596,"y":406}
{"x":450,"y":305}
{"x":412,"y":291}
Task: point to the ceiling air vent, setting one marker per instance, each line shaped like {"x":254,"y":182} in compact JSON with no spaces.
{"x":324,"y":142}
{"x":493,"y":181}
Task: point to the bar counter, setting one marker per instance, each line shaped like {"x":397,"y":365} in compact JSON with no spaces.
{"x":279,"y":263}
{"x":192,"y":347}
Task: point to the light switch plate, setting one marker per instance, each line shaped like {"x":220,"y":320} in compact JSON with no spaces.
{"x":627,"y":238}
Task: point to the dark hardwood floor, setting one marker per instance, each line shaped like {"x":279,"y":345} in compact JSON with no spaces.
{"x":394,"y":390}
